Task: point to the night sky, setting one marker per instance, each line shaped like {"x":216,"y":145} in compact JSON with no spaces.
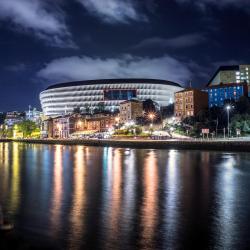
{"x":49,"y":41}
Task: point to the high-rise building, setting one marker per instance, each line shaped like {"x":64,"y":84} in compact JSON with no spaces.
{"x":218,"y":94}
{"x":189,"y":102}
{"x":231,"y":74}
{"x":33,"y":115}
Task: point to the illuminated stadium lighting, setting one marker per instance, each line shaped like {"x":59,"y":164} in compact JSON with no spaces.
{"x":108,"y":92}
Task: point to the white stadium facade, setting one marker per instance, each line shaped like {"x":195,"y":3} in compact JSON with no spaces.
{"x":63,"y":98}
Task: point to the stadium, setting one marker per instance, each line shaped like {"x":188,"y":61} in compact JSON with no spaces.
{"x":63,"y":98}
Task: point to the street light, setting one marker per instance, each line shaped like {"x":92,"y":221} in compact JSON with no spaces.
{"x":151,"y":116}
{"x":228,"y":107}
{"x":79,"y":124}
{"x":117,"y":119}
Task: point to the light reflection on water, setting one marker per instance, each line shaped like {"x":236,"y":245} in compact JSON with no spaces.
{"x":57,"y":192}
{"x":110,"y":198}
{"x":150,"y":200}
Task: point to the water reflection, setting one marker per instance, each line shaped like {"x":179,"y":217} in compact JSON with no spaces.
{"x":15,"y":179}
{"x":111,"y":198}
{"x":226,"y":187}
{"x":4,"y":173}
{"x":150,"y":200}
{"x":57,"y":193}
{"x":172,"y":192}
{"x":77,"y":214}
{"x":129,"y":197}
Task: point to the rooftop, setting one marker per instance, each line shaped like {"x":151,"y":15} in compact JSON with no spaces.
{"x":224,"y":68}
{"x":112,"y":81}
{"x":188,"y":89}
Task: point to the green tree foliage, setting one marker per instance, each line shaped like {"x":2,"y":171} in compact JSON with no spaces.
{"x":77,"y":110}
{"x":27,"y":128}
{"x":6,"y":132}
{"x":242,"y":122}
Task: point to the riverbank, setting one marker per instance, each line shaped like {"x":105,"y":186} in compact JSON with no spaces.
{"x":217,"y":145}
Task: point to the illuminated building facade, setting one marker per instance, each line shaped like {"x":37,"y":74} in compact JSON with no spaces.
{"x":47,"y":128}
{"x":13,"y":118}
{"x":231,"y":74}
{"x":63,"y":98}
{"x":218,"y":94}
{"x":77,"y":124}
{"x":130,"y":110}
{"x":189,"y":102}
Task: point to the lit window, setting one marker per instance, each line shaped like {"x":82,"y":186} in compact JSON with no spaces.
{"x":237,"y":73}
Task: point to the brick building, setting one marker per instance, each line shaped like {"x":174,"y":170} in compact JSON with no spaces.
{"x":189,"y":102}
{"x":100,"y":124}
{"x":130,"y":110}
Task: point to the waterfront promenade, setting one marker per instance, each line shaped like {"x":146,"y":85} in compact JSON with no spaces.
{"x":240,"y":144}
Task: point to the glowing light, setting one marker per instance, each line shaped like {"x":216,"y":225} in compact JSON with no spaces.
{"x":150,"y":199}
{"x":151,"y":116}
{"x":79,"y":123}
{"x":59,"y":127}
{"x":79,"y":197}
{"x":57,"y":188}
{"x":15,"y":185}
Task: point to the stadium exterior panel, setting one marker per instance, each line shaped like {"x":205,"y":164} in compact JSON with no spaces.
{"x":64,"y":97}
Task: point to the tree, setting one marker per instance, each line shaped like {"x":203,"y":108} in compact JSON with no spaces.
{"x":27,"y":128}
{"x":100,"y":106}
{"x":77,"y":110}
{"x":149,"y":106}
{"x":246,"y":128}
{"x":2,"y":117}
{"x":167,"y":111}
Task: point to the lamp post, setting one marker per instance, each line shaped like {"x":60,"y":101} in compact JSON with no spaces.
{"x":228,"y":107}
{"x":151,"y":117}
{"x":117,"y":119}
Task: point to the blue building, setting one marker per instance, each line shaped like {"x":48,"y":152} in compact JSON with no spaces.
{"x":218,"y":94}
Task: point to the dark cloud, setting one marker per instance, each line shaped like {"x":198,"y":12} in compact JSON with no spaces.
{"x":84,"y":67}
{"x":38,"y":17}
{"x":218,"y":3}
{"x":182,"y":41}
{"x":113,"y":11}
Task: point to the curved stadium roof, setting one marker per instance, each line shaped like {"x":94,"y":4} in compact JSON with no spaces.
{"x":112,"y":81}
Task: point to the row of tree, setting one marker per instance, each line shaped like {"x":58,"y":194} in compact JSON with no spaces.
{"x":23,"y":129}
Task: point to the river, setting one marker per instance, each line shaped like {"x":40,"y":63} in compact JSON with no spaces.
{"x":77,"y":197}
